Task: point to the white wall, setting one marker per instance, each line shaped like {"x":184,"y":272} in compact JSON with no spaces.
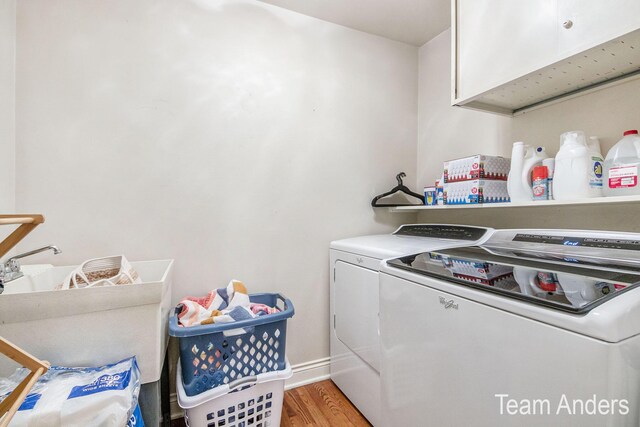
{"x":233,"y":136}
{"x":445,"y":132}
{"x":7,"y":104}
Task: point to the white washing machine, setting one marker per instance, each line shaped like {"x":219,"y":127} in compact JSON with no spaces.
{"x":355,"y":263}
{"x":531,"y":328}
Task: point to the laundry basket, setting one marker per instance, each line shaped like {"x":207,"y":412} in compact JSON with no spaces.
{"x":254,"y":401}
{"x":211,"y":357}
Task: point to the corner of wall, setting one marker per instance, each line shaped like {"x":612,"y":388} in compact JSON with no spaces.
{"x":446,"y":132}
{"x":7,"y":103}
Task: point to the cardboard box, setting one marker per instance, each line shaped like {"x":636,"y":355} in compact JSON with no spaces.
{"x":476,"y":191}
{"x":477,"y":167}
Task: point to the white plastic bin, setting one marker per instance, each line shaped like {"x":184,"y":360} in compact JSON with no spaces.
{"x":254,"y":401}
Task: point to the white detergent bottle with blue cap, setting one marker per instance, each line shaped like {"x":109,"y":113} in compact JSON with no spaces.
{"x":578,"y":169}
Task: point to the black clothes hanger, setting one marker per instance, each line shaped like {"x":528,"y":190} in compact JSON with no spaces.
{"x":399,"y":187}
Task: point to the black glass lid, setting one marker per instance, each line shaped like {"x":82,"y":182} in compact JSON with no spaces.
{"x":569,"y":283}
{"x":442,"y":231}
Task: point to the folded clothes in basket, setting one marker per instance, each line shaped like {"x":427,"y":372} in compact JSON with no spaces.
{"x":222,"y":305}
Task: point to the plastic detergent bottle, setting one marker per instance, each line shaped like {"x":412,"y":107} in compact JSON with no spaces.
{"x":594,"y":144}
{"x":523,"y":159}
{"x":621,"y":166}
{"x":578,"y":169}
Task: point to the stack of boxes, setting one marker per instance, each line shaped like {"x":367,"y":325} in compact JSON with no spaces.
{"x":476,"y":179}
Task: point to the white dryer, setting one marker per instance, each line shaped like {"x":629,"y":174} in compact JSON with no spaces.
{"x":355,"y":263}
{"x":532,"y":328}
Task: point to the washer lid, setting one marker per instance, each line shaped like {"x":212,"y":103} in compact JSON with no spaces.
{"x":384,"y":245}
{"x":572,"y":283}
{"x":411,"y":238}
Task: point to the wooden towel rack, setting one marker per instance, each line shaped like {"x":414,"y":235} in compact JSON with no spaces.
{"x":10,"y":405}
{"x":27,"y":224}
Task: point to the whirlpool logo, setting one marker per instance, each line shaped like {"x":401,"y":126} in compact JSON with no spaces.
{"x":448,"y":303}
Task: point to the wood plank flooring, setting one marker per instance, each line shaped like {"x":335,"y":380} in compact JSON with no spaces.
{"x":319,"y":404}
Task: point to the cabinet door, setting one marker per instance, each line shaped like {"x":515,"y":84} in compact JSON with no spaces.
{"x":587,"y":23}
{"x":499,"y":40}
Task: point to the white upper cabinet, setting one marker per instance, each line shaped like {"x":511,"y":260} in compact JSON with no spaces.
{"x":511,"y":55}
{"x":498,"y":40}
{"x":586,"y":23}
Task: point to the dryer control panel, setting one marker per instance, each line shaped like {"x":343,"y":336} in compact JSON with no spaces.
{"x":577,"y":241}
{"x":442,"y":231}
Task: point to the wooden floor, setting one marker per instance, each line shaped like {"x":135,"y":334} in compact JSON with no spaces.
{"x":317,"y":404}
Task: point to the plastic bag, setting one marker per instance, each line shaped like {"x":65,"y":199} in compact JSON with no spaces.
{"x":106,"y":396}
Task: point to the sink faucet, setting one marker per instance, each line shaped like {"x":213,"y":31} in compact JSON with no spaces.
{"x":10,"y":270}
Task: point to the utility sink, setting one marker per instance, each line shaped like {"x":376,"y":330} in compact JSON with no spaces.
{"x":34,"y":280}
{"x":90,"y":326}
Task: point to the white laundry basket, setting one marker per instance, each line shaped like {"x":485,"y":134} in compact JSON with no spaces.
{"x":254,"y":401}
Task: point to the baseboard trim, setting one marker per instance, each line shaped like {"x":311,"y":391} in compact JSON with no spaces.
{"x":303,"y":374}
{"x":176,"y":410}
{"x":308,"y":373}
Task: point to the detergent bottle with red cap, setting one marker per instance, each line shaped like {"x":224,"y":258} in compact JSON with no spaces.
{"x":621,"y":167}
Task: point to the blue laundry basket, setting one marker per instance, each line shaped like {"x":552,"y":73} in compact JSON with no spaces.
{"x":208,"y":358}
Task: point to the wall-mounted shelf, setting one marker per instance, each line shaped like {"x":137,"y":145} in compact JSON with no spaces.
{"x":538,"y":204}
